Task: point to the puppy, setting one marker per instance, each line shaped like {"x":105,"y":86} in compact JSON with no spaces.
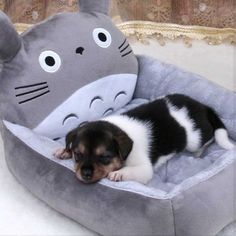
{"x":129,"y":146}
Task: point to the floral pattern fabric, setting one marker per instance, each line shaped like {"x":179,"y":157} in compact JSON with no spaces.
{"x":213,"y":13}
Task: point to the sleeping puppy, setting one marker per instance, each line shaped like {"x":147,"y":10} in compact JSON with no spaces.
{"x":129,"y":146}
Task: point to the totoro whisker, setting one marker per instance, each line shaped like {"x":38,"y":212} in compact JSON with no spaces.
{"x":122,"y":44}
{"x":32,"y":91}
{"x":29,"y":99}
{"x":126,"y":54}
{"x":31,"y":85}
{"x":124,"y":48}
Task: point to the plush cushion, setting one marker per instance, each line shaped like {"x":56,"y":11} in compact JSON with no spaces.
{"x":188,"y":196}
{"x":77,"y":67}
{"x":69,"y":69}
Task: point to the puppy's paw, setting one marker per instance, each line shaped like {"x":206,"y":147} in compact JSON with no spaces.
{"x":62,"y":154}
{"x":115,"y":176}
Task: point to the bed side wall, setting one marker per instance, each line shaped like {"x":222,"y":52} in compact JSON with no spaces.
{"x":208,"y":207}
{"x":157,"y":79}
{"x":99,"y":208}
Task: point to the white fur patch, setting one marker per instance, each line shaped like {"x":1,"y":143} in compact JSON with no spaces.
{"x":222,"y":139}
{"x":162,"y":160}
{"x":138,"y":165}
{"x":193,"y":135}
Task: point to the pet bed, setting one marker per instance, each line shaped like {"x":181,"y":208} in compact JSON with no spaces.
{"x":187,"y":196}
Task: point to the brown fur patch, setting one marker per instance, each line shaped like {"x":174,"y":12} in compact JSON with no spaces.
{"x":100,"y":150}
{"x":81,"y":148}
{"x":100,"y":171}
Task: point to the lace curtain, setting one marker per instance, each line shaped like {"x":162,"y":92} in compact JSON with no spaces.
{"x":214,"y":13}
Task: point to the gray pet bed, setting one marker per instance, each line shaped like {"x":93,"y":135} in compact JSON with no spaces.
{"x":188,"y":196}
{"x":76,"y":67}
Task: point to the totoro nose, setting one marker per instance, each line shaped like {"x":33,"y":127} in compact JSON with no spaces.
{"x":79,"y":50}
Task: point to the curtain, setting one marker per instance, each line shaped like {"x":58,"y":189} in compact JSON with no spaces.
{"x":213,"y":13}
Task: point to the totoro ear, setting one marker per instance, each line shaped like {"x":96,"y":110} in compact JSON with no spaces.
{"x":10,"y":42}
{"x":90,"y":6}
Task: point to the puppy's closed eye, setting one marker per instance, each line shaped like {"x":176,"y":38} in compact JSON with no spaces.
{"x":105,"y":159}
{"x":78,"y":156}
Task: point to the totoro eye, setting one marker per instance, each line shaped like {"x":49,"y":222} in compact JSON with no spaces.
{"x":50,"y":61}
{"x":102,"y":37}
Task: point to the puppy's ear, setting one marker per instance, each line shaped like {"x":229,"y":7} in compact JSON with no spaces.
{"x":70,"y":138}
{"x":124,"y":144}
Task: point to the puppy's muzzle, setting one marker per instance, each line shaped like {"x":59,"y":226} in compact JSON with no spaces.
{"x":87,"y":173}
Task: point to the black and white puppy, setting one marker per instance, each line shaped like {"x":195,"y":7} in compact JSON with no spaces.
{"x":129,"y":146}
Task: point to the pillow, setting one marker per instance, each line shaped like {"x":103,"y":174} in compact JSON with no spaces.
{"x":59,"y":74}
{"x":69,"y":69}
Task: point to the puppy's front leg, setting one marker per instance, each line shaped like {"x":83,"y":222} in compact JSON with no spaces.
{"x":63,"y":154}
{"x":141,"y":174}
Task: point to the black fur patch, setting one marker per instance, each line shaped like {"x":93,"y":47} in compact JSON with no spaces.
{"x":168,"y":136}
{"x":205,"y":118}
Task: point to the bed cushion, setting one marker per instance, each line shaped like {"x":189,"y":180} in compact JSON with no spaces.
{"x":61,"y":72}
{"x":188,"y":196}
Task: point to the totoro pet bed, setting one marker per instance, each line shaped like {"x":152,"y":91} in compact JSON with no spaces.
{"x":78,"y":67}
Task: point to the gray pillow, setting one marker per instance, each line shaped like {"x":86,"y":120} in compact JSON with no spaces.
{"x":188,"y":196}
{"x":69,"y":69}
{"x":76,"y":67}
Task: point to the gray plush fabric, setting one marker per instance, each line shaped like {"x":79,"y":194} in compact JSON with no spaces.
{"x":94,"y":6}
{"x":75,"y":87}
{"x":8,"y":34}
{"x":188,"y":196}
{"x":159,"y":79}
{"x":59,"y":74}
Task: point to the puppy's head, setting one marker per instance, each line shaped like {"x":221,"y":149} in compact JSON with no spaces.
{"x":98,"y":148}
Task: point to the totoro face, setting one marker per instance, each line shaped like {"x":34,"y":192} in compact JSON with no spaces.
{"x":72,"y":68}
